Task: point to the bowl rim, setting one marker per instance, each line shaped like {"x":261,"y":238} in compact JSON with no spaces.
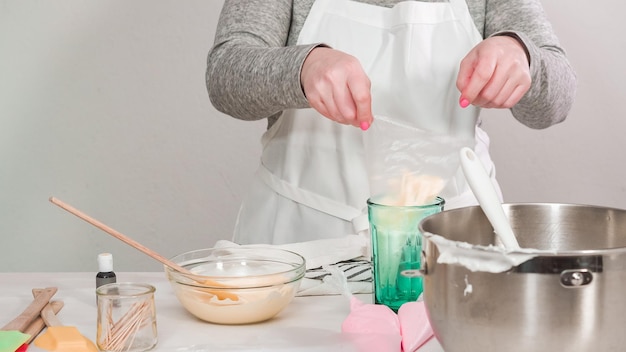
{"x":537,"y":252}
{"x":299,"y":269}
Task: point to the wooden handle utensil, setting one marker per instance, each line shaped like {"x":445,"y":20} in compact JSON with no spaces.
{"x":31,"y":312}
{"x":38,"y":324}
{"x":129,"y":241}
{"x":61,"y":338}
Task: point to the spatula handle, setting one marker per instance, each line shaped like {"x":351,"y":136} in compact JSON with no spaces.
{"x":482,"y":187}
{"x":38,"y":324}
{"x":31,"y":312}
{"x":49,"y":317}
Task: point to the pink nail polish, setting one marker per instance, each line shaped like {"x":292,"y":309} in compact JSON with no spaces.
{"x":464,"y":103}
{"x":365,"y":125}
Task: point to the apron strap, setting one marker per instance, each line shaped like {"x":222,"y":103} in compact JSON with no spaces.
{"x":314,"y":200}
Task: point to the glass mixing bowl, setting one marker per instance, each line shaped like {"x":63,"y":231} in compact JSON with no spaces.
{"x":236,"y":285}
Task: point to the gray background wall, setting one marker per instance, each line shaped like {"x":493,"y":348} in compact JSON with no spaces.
{"x":103,"y":105}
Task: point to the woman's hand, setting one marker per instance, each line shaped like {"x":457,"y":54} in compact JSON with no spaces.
{"x":494,"y":74}
{"x":337,"y":87}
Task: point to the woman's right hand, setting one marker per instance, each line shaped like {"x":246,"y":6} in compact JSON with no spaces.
{"x":337,"y":87}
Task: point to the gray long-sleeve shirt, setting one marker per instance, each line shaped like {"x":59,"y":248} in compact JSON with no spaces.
{"x":253,"y":69}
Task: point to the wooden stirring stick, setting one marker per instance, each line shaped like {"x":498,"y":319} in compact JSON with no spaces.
{"x":219,"y":294}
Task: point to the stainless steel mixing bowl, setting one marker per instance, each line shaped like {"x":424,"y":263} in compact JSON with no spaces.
{"x":571,"y":300}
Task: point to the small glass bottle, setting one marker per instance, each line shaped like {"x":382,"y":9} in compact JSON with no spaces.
{"x":105,"y":270}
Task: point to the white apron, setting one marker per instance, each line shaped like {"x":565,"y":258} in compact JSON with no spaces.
{"x":312,"y":182}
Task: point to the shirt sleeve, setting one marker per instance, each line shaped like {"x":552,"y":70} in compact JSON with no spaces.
{"x":551,"y":95}
{"x":252,"y":73}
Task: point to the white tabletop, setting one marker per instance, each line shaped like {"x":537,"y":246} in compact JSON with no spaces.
{"x":308,"y":324}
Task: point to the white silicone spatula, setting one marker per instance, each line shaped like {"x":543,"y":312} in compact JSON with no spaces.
{"x":483,"y":189}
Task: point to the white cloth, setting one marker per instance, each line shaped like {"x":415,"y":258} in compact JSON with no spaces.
{"x":357,"y":272}
{"x":312,"y":182}
{"x":349,"y":254}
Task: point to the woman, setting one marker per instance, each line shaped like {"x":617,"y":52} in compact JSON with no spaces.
{"x":318,"y":69}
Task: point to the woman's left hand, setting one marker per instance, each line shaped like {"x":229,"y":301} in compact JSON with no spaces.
{"x":494,"y":74}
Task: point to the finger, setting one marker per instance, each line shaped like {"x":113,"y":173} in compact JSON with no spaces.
{"x":480,"y":76}
{"x":315,"y":102}
{"x":346,"y":105}
{"x":496,"y":91}
{"x":465,"y":71}
{"x":322,"y":105}
{"x":362,"y":97}
{"x":328,"y":103}
{"x":503,"y":85}
{"x":516,"y":96}
{"x":462,"y":80}
{"x":321,"y":108}
{"x":520,"y":87}
{"x":503,"y":95}
{"x":498,"y":86}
